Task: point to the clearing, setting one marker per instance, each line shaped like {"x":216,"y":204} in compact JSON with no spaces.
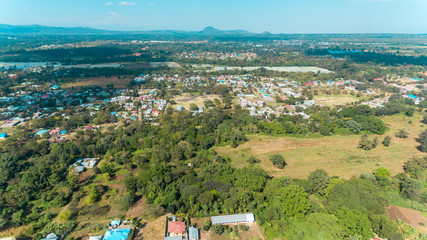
{"x":409,"y":216}
{"x":333,"y":100}
{"x":103,"y":81}
{"x":338,"y":155}
{"x":187,"y":99}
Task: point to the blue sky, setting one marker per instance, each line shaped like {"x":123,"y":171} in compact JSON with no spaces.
{"x":276,"y":16}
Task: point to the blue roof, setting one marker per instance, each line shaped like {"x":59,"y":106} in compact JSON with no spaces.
{"x":41,"y":132}
{"x":117,"y":234}
{"x":63,"y":131}
{"x":115,"y":222}
{"x":3,"y":135}
{"x":413,"y":96}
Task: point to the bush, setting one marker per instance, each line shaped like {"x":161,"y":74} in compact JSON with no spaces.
{"x":218,"y":229}
{"x":402,"y":133}
{"x":366,"y":144}
{"x":278,"y":161}
{"x":387,"y":140}
{"x":65,"y":215}
{"x":253,"y":160}
{"x":244,"y":228}
{"x":422,"y":139}
{"x":207,"y":225}
{"x":382,"y":175}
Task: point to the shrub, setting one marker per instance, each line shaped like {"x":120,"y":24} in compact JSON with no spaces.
{"x":387,"y":140}
{"x":65,"y":215}
{"x":218,"y":229}
{"x":207,"y":225}
{"x":365,"y":143}
{"x":278,"y":161}
{"x":402,"y":133}
{"x":244,"y":227}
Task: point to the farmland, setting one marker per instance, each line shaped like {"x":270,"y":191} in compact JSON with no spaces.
{"x":117,"y":82}
{"x":333,"y":100}
{"x":187,"y":99}
{"x":338,"y":155}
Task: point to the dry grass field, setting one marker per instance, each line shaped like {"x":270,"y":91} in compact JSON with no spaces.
{"x":187,"y":99}
{"x":333,"y":100}
{"x":123,"y":82}
{"x":338,"y":155}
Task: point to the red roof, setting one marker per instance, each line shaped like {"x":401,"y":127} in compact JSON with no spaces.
{"x":177,"y":227}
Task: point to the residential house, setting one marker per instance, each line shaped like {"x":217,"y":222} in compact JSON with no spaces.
{"x":193,"y":233}
{"x":3,"y":136}
{"x":51,"y":236}
{"x":234,"y":218}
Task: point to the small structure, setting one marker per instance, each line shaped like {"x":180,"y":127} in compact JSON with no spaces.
{"x":193,"y":233}
{"x":174,"y":238}
{"x":3,"y":136}
{"x":234,"y":218}
{"x":97,"y":237}
{"x":8,"y":238}
{"x":176,"y":228}
{"x":117,"y":234}
{"x":41,"y":132}
{"x":51,"y":236}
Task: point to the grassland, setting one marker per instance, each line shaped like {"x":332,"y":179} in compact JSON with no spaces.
{"x":333,"y":100}
{"x":338,"y":155}
{"x":187,"y":99}
{"x":103,"y":81}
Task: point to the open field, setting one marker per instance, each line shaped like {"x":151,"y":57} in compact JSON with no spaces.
{"x":333,"y":100}
{"x":123,"y":82}
{"x":338,"y":155}
{"x":409,"y":216}
{"x":187,"y":99}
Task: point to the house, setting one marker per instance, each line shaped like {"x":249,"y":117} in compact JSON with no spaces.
{"x":41,"y":132}
{"x":3,"y":136}
{"x":234,"y":218}
{"x":97,"y":237}
{"x":51,"y":236}
{"x":176,"y":228}
{"x":174,"y":238}
{"x":117,"y":234}
{"x":8,"y":238}
{"x":193,"y":233}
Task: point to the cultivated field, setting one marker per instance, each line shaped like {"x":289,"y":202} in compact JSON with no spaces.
{"x":187,"y":99}
{"x":409,"y":216}
{"x":123,"y":82}
{"x":338,"y":155}
{"x":333,"y":100}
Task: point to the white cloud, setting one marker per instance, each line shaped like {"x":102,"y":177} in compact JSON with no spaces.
{"x":108,"y":3}
{"x":127,"y":3}
{"x":112,"y":13}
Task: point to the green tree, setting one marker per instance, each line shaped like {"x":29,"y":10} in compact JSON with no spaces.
{"x":382,"y":175}
{"x":354,"y":222}
{"x":293,"y":201}
{"x":402,"y":133}
{"x":326,"y":222}
{"x":319,"y":180}
{"x":278,"y":161}
{"x":387,"y":141}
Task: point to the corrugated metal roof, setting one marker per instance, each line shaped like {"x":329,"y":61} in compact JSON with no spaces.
{"x":193,"y":233}
{"x":173,"y":238}
{"x":246,"y":217}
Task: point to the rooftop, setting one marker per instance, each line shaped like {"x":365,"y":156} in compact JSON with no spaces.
{"x":117,"y":234}
{"x":234,"y":218}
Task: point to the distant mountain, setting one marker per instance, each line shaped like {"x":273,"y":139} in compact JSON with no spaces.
{"x":213,"y":31}
{"x":38,"y":29}
{"x":45,"y":30}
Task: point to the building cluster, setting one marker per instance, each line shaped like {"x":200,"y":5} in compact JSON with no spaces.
{"x":247,"y":56}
